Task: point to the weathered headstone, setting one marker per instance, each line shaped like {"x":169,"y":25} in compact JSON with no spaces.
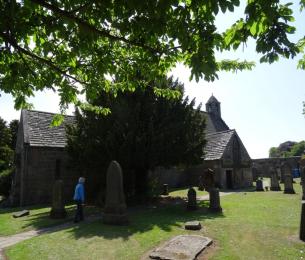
{"x":183,"y":247}
{"x":191,"y":199}
{"x":215,"y":200}
{"x":165,"y":189}
{"x":58,"y":206}
{"x":21,"y":213}
{"x":208,"y":179}
{"x":288,"y":184}
{"x":302,"y":224}
{"x":302,"y":166}
{"x":259,"y":185}
{"x":275,"y":186}
{"x":115,"y":211}
{"x":192,"y":225}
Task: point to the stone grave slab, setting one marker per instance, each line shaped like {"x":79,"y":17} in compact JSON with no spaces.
{"x":183,"y":247}
{"x":21,"y":213}
{"x":192,"y":225}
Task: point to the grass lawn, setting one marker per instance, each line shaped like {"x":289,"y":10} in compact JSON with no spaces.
{"x":38,"y":218}
{"x":182,"y":192}
{"x":254,"y":225}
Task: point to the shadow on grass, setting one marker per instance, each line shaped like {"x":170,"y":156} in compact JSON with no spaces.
{"x":150,"y":218}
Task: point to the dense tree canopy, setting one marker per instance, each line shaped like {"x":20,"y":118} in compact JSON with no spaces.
{"x":143,"y":131}
{"x":294,"y":149}
{"x":83,"y":46}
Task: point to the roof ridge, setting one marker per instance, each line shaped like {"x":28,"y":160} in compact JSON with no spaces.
{"x":220,"y":132}
{"x":44,"y":112}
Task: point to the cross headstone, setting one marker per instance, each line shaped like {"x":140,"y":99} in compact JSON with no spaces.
{"x":215,"y":200}
{"x":58,"y":206}
{"x":259,"y":185}
{"x":115,"y":211}
{"x":191,"y":199}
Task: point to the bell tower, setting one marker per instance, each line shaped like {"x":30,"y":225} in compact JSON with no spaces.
{"x":213,"y":107}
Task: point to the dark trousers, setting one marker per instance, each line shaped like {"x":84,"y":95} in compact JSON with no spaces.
{"x":79,"y":214}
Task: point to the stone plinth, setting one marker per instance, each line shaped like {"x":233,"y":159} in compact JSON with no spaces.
{"x":58,"y":206}
{"x":192,"y":225}
{"x":115,"y":211}
{"x":184,"y":247}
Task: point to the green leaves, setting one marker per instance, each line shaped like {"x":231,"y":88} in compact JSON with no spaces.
{"x":78,"y":47}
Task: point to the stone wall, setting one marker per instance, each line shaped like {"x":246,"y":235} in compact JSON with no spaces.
{"x":262,"y":167}
{"x":36,"y":175}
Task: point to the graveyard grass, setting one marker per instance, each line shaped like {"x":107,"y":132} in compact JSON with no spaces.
{"x":182,"y":192}
{"x":254,"y":225}
{"x":38,"y":218}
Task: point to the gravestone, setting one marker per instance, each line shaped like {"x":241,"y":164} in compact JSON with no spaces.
{"x":165,"y":189}
{"x":302,"y":166}
{"x":183,"y":247}
{"x":191,"y":199}
{"x":302,"y":224}
{"x":208,"y":179}
{"x":275,"y":186}
{"x":21,"y":213}
{"x":288,"y":184}
{"x":58,"y":206}
{"x":215,"y":200}
{"x":259,"y":185}
{"x":115,"y":211}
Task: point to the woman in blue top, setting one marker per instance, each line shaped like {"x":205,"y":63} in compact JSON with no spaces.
{"x":79,"y":198}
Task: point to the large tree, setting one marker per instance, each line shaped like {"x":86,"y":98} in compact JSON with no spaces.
{"x":83,"y":46}
{"x":143,"y":131}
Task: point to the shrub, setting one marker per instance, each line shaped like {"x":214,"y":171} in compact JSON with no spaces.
{"x":5,"y":182}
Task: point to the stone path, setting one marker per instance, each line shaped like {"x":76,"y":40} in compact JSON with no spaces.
{"x":221,"y":194}
{"x":14,"y":239}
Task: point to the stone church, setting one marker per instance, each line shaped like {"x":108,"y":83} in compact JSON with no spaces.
{"x":41,"y":157}
{"x":224,"y":153}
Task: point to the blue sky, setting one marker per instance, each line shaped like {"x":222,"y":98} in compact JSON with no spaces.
{"x":264,"y":105}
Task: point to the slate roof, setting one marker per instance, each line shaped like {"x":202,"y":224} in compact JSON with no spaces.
{"x":216,"y":144}
{"x":212,"y":99}
{"x":38,"y":130}
{"x":215,"y":124}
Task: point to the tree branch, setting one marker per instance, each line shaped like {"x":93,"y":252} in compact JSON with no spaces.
{"x":49,"y":63}
{"x":80,"y":22}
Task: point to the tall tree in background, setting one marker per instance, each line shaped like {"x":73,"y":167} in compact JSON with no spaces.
{"x":13,"y":126}
{"x":82,"y":47}
{"x":143,"y":131}
{"x":6,"y":153}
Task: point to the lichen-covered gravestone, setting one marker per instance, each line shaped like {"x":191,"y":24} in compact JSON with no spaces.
{"x":191,"y":199}
{"x":115,"y":211}
{"x":183,"y":247}
{"x":215,"y":200}
{"x":275,"y":186}
{"x":58,"y":206}
{"x":259,"y":185}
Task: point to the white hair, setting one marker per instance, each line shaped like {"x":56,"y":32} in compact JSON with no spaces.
{"x":81,"y":180}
